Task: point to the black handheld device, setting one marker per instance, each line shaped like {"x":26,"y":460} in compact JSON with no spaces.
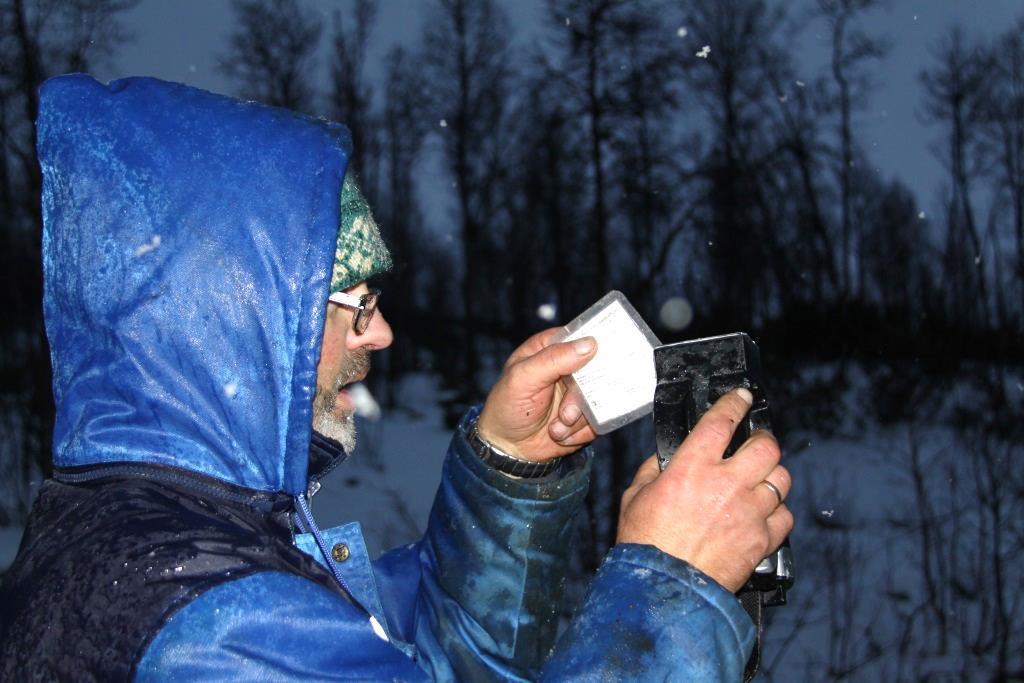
{"x":691,"y":376}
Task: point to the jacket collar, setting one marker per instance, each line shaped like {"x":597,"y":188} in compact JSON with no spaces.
{"x":324,"y":455}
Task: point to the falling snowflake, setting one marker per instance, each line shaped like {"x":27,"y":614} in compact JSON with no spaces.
{"x":230,"y":389}
{"x":568,"y":22}
{"x":546,"y":312}
{"x":704,"y":52}
{"x":681,"y":32}
{"x":801,"y":84}
{"x":921,"y":215}
{"x":676,"y":313}
{"x":443,"y":123}
{"x":828,"y":513}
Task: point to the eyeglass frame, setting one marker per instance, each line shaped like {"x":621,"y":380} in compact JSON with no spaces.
{"x":365,"y":305}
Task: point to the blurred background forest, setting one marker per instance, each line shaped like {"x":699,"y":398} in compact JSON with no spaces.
{"x":680,"y":152}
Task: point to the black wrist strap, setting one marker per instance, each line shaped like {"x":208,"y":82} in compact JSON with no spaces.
{"x":505,"y":463}
{"x":753,"y":601}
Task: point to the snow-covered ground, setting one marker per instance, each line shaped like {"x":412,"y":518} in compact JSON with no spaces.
{"x":907,"y":544}
{"x":859,"y":610}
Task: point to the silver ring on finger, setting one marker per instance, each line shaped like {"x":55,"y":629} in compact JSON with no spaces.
{"x":774,"y":488}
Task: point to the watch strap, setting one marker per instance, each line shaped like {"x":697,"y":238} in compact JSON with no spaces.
{"x":505,"y":463}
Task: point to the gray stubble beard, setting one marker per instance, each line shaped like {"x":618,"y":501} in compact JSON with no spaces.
{"x":340,"y":428}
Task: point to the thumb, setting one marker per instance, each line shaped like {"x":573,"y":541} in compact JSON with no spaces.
{"x":548,"y":365}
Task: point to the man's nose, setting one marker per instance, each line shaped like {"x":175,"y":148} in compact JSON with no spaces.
{"x":377,"y":336}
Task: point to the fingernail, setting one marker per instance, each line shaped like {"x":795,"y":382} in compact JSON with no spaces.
{"x":745,"y":394}
{"x":559,"y":431}
{"x":570,"y":414}
{"x":584,"y":346}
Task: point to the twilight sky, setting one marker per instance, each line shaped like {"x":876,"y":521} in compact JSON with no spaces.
{"x":179,"y":41}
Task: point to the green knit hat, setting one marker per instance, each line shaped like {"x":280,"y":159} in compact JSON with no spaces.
{"x":361,"y":253}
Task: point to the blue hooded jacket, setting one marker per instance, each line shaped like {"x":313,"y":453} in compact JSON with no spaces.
{"x":188,"y":242}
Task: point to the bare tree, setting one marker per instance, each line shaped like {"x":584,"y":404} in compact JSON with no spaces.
{"x":352,"y":97}
{"x":893,"y":239}
{"x":547,"y":189}
{"x":955,"y":94}
{"x":403,"y":131}
{"x":740,"y":217}
{"x":585,"y":35}
{"x":852,"y":49}
{"x":271,"y":52}
{"x":656,"y":199}
{"x":1005,"y":142}
{"x":467,"y":67}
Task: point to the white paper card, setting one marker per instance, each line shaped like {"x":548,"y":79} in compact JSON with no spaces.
{"x":618,"y":383}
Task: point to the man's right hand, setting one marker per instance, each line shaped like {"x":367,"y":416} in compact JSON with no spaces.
{"x":714,"y":513}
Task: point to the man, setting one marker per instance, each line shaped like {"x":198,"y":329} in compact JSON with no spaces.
{"x":206,"y":302}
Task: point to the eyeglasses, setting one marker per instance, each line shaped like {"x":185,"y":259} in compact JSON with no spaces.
{"x":364,"y":306}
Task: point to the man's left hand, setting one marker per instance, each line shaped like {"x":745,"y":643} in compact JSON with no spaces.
{"x":528,"y":413}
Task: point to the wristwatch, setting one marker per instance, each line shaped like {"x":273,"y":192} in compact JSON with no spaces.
{"x":505,"y":463}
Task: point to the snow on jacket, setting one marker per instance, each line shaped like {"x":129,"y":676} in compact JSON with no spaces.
{"x":187,"y":246}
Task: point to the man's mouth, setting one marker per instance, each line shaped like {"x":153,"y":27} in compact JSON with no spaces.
{"x":352,"y":371}
{"x":343,"y":403}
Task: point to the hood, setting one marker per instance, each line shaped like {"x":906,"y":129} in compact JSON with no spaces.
{"x":188,"y":241}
